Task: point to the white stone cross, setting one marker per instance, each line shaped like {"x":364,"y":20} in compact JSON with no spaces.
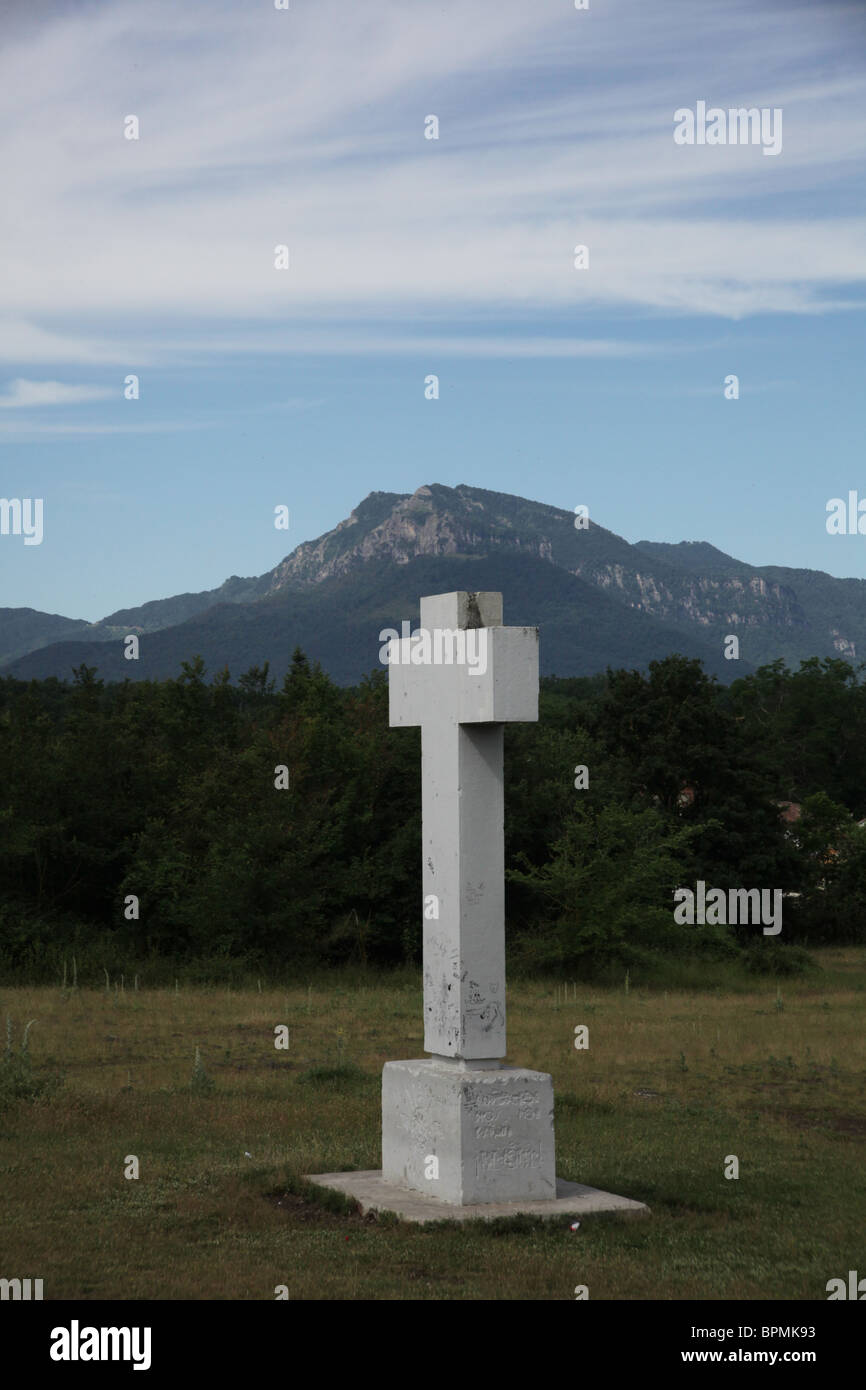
{"x":463,"y":1135}
{"x":461,"y":706}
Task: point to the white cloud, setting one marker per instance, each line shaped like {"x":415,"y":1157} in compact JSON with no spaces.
{"x":351,"y":341}
{"x":27,"y":394}
{"x":214,"y":419}
{"x":65,"y":430}
{"x":21,"y":341}
{"x":306,"y":127}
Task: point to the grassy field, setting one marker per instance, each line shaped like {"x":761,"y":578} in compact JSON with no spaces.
{"x":672,"y":1083}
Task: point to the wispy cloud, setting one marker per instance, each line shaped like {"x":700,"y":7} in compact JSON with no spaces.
{"x":305,"y":127}
{"x":207,"y":420}
{"x":354,"y":341}
{"x":22,"y":393}
{"x":308,"y":338}
{"x":22,"y":341}
{"x":67,"y":429}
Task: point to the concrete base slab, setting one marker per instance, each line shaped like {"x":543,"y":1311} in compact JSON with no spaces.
{"x":372,"y":1193}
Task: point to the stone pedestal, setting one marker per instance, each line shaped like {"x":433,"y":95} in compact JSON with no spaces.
{"x":468,"y":1134}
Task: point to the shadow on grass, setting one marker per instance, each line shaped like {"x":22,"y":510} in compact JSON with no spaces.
{"x":342,"y":1076}
{"x":567,"y":1103}
{"x":305,"y":1200}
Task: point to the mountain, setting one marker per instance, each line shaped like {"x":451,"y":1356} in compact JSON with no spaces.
{"x":598,"y":599}
{"x":23,"y":630}
{"x":698,"y":557}
{"x":823,"y":616}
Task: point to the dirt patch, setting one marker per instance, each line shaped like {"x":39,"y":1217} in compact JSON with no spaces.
{"x":422,"y":1274}
{"x":253,"y":1066}
{"x":850,"y":1124}
{"x":823,"y":1119}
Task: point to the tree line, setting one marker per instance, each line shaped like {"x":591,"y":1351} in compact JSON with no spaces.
{"x":145,"y":824}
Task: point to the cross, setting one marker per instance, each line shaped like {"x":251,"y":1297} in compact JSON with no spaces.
{"x":462,"y":706}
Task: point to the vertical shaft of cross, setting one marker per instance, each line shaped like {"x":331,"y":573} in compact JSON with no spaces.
{"x":462,"y":676}
{"x":464,"y":889}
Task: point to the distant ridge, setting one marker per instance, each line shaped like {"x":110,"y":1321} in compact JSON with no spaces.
{"x":599,"y":600}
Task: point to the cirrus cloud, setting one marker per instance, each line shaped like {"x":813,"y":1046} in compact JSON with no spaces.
{"x":305,"y":128}
{"x":22,"y":393}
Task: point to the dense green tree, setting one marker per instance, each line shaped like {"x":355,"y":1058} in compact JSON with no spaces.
{"x":609,"y":886}
{"x":689,"y":755}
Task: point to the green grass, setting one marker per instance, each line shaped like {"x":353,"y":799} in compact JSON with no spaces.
{"x":673,"y":1082}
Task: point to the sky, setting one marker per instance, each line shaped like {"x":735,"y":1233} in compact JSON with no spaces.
{"x":602,"y":385}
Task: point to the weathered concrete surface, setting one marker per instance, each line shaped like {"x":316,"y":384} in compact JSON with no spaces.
{"x":461,"y":709}
{"x":490,"y":1131}
{"x":372,"y":1193}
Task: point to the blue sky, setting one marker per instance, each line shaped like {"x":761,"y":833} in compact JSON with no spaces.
{"x":410,"y":256}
